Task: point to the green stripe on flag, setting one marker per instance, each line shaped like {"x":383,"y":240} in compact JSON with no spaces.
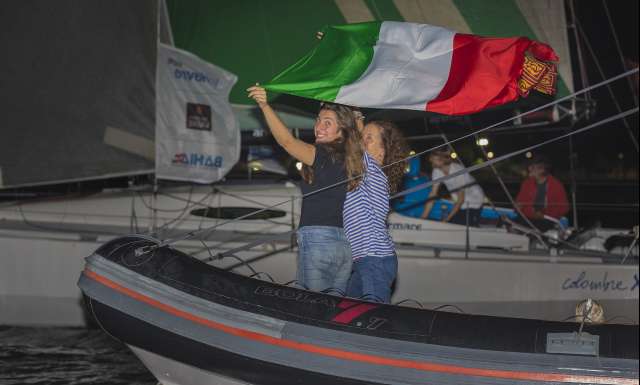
{"x":340,"y":58}
{"x":500,"y":18}
{"x":384,"y":10}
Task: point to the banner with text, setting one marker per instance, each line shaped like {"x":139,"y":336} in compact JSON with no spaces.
{"x":197,"y":135}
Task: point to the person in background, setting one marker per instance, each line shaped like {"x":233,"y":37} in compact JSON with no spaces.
{"x":541,"y":194}
{"x":375,"y":264}
{"x":324,"y":257}
{"x":468,"y":195}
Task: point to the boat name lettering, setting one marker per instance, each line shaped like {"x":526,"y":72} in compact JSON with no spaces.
{"x":197,"y":160}
{"x":604,"y":284}
{"x":405,"y":226}
{"x":294,"y":295}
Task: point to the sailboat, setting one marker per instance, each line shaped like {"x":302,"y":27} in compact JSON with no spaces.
{"x":44,"y":241}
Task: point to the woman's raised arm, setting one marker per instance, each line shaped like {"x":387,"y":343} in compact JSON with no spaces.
{"x":298,"y":149}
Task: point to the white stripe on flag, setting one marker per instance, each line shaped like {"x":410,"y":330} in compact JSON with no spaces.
{"x":410,"y":66}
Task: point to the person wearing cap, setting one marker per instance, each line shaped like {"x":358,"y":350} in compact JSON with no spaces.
{"x":541,"y":194}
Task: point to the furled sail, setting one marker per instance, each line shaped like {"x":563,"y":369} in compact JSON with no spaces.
{"x":78,"y":90}
{"x":81,"y":100}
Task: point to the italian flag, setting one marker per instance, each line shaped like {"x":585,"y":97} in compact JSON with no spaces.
{"x":418,"y":67}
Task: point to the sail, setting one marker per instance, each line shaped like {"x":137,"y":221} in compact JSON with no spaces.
{"x":78,"y":90}
{"x":197,"y":136}
{"x":257,"y":39}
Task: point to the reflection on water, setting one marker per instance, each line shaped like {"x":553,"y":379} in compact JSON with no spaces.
{"x":67,"y":356}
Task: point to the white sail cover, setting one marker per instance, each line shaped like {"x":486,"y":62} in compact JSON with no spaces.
{"x":197,"y":135}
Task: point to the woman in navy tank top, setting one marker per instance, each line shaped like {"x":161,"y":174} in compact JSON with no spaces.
{"x":324,"y":255}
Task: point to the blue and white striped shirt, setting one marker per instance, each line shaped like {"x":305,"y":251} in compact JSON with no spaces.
{"x":365,"y":214}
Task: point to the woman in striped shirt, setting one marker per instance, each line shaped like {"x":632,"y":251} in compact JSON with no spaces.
{"x":366,"y":208}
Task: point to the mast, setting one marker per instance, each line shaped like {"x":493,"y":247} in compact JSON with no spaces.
{"x":584,"y":81}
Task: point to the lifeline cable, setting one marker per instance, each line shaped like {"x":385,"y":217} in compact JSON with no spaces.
{"x":146,"y":249}
{"x":473,"y":168}
{"x":514,"y":153}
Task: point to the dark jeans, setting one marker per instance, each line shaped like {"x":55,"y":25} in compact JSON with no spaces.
{"x":372,"y":278}
{"x":460,"y":218}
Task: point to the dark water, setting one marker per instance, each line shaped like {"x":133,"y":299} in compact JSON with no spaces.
{"x":70,"y":356}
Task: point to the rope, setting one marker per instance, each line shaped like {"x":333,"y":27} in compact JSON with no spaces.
{"x":615,"y":38}
{"x":473,"y":168}
{"x":634,"y":141}
{"x":514,"y":153}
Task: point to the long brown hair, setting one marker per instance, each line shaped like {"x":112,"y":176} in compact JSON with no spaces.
{"x":347,"y":148}
{"x":395,"y":149}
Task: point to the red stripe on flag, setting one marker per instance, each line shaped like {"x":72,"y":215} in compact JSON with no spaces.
{"x":484,"y":73}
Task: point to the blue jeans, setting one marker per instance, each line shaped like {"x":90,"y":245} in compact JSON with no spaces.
{"x":372,"y":278}
{"x":324,"y":258}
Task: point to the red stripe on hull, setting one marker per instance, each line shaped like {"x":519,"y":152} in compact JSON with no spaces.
{"x":360,"y":357}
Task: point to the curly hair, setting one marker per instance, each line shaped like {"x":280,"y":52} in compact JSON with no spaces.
{"x":395,"y":149}
{"x":347,"y":148}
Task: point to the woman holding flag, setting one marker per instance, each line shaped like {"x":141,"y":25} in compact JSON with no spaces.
{"x":366,"y":208}
{"x":324,"y":256}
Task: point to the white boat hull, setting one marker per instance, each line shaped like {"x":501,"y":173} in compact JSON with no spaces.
{"x":172,"y":372}
{"x":41,"y":265}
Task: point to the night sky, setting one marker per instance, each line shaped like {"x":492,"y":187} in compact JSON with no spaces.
{"x":610,"y":142}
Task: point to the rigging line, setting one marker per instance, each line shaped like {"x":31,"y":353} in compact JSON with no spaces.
{"x":542,"y":107}
{"x":514,"y":153}
{"x":150,"y":207}
{"x":241,"y":198}
{"x":180,"y":218}
{"x":630,"y":250}
{"x":609,"y":88}
{"x":615,"y":38}
{"x":584,"y":80}
{"x":194,"y":232}
{"x":221,"y":192}
{"x":246,"y":246}
{"x":535,"y":231}
{"x":424,"y":185}
{"x":587,"y":204}
{"x":208,"y":205}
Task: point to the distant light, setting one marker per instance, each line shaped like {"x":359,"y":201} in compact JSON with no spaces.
{"x":620,"y":156}
{"x":255,"y":165}
{"x":490,"y":154}
{"x":482,"y":142}
{"x":412,"y":152}
{"x":528,"y":154}
{"x":454,"y":155}
{"x":299,"y":166}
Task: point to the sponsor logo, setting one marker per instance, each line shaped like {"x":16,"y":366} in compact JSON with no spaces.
{"x":405,"y":226}
{"x":190,"y":75}
{"x":199,"y":116}
{"x":195,"y":159}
